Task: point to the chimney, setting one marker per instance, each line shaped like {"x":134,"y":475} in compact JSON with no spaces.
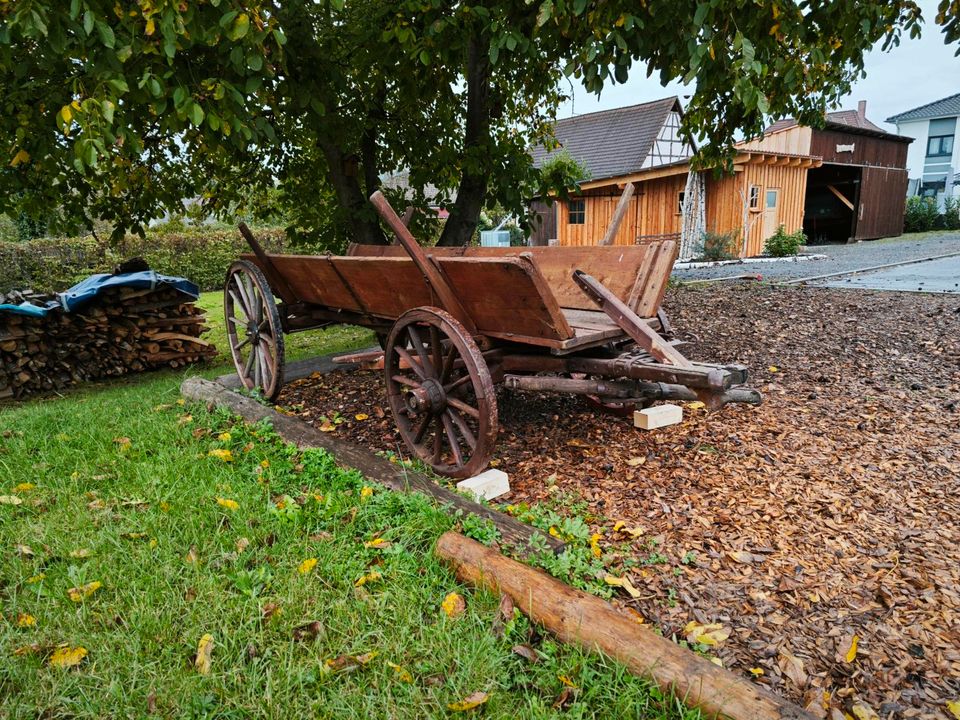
{"x":862,"y":109}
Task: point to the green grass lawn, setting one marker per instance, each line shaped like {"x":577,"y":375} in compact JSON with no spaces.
{"x":132,"y":526}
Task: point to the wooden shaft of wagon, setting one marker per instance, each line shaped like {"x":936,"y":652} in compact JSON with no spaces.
{"x":277,"y":282}
{"x":431,"y":272}
{"x":576,"y":617}
{"x":618,"y":214}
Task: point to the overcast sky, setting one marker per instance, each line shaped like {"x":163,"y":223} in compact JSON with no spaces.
{"x":917,"y":72}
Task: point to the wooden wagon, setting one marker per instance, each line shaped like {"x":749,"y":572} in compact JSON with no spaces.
{"x":454,"y":323}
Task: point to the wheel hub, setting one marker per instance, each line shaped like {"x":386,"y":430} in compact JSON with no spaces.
{"x":428,"y":398}
{"x":253,"y":332}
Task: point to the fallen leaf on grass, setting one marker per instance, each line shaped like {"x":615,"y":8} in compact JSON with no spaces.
{"x":204,"y":653}
{"x":34,"y":579}
{"x":307,"y":631}
{"x":81,"y":593}
{"x":712,"y":634}
{"x":526,"y":652}
{"x":372,"y":576}
{"x":564,"y":698}
{"x":242,"y":544}
{"x":23,"y":550}
{"x":622,"y":583}
{"x":191,"y":557}
{"x":595,"y":545}
{"x":402,"y":675}
{"x":227,"y":503}
{"x":365,"y":492}
{"x":221,"y":454}
{"x":453,"y":605}
{"x":67,"y":657}
{"x":25,"y":620}
{"x":348,"y":663}
{"x":378,"y":543}
{"x":567,"y":681}
{"x":81,"y":553}
{"x":10,"y":500}
{"x":224,"y":437}
{"x":123,"y":443}
{"x":469,"y":703}
{"x":269,"y":610}
{"x":24,"y":487}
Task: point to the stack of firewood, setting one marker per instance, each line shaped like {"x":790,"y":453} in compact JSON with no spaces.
{"x":123,"y":330}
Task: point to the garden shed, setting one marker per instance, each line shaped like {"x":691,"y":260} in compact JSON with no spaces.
{"x":641,"y":146}
{"x":859,"y":191}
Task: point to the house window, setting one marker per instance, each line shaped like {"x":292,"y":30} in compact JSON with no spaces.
{"x":577,"y":212}
{"x":773,"y":195}
{"x":680,"y":196}
{"x":754,"y":196}
{"x":940,"y":146}
{"x":930,"y":188}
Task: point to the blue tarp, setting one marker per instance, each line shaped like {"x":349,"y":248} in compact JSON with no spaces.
{"x":86,"y":290}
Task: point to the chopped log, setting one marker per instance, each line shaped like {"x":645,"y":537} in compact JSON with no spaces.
{"x":585,"y":620}
{"x":372,"y":466}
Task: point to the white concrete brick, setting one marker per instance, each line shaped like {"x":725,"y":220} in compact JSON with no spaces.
{"x":657,"y":416}
{"x":487,"y":485}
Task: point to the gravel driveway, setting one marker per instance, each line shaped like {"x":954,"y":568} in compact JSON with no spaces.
{"x":841,"y":258}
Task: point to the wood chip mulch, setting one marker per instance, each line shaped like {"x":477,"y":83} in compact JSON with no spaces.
{"x":829,"y":512}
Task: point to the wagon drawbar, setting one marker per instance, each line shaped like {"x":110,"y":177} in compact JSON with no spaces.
{"x":455,"y":323}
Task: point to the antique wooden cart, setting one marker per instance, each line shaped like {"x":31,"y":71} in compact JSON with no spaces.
{"x":456,"y":322}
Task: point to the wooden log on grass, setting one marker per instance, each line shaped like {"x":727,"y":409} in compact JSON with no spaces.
{"x":374,"y":467}
{"x":586,"y":620}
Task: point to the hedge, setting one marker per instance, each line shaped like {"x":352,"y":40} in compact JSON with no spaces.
{"x":53,"y":265}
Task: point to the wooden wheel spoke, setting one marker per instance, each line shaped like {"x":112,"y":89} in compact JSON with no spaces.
{"x":244,"y":297}
{"x":437,"y":442}
{"x":464,"y":429}
{"x":448,"y":363}
{"x":452,"y":437}
{"x":405,"y":381}
{"x":237,"y":321}
{"x":463,"y":407}
{"x":421,"y":429}
{"x":239,"y":304}
{"x":457,"y":384}
{"x":248,"y":366}
{"x":414,"y":334}
{"x":242,"y":344}
{"x":408,"y":358}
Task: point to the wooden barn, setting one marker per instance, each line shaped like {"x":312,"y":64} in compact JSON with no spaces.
{"x":859,"y":191}
{"x":640,"y":181}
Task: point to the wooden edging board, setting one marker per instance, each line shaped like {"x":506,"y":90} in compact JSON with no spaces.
{"x":378,"y":469}
{"x":586,"y":620}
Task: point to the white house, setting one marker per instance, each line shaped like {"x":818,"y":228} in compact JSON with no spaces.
{"x":933,"y":161}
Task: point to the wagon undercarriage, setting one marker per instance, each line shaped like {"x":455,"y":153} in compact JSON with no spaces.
{"x":455,"y":323}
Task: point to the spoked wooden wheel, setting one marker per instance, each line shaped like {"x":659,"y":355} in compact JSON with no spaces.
{"x":253,"y":329}
{"x":440,"y":392}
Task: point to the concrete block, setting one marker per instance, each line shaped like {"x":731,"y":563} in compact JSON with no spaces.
{"x":487,"y":485}
{"x":657,"y":416}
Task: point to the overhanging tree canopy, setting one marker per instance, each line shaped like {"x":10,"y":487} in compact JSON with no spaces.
{"x":121,"y":110}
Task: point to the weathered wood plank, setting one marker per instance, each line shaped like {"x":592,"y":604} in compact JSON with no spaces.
{"x":594,"y":624}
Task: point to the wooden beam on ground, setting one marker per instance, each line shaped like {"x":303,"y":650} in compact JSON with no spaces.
{"x":374,"y":467}
{"x":618,"y":215}
{"x":585,"y":620}
{"x":840,"y":196}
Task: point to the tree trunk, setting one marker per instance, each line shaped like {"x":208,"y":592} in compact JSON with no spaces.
{"x":364,"y":225}
{"x":462,"y":222}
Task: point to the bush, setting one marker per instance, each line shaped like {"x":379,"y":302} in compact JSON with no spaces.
{"x":951,"y":213}
{"x":921,"y":215}
{"x":784,"y":244}
{"x":721,"y":246}
{"x":53,"y":265}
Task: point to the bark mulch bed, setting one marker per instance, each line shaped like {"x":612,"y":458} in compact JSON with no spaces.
{"x":828,"y":516}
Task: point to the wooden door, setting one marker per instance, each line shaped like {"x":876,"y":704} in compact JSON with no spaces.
{"x":883,"y":193}
{"x":771,"y":212}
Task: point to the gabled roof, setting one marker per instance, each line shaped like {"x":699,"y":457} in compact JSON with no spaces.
{"x":844,"y":120}
{"x":945,"y":107}
{"x":611,"y":142}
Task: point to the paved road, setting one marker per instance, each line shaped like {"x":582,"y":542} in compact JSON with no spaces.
{"x":841,"y":258}
{"x":936,"y":276}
